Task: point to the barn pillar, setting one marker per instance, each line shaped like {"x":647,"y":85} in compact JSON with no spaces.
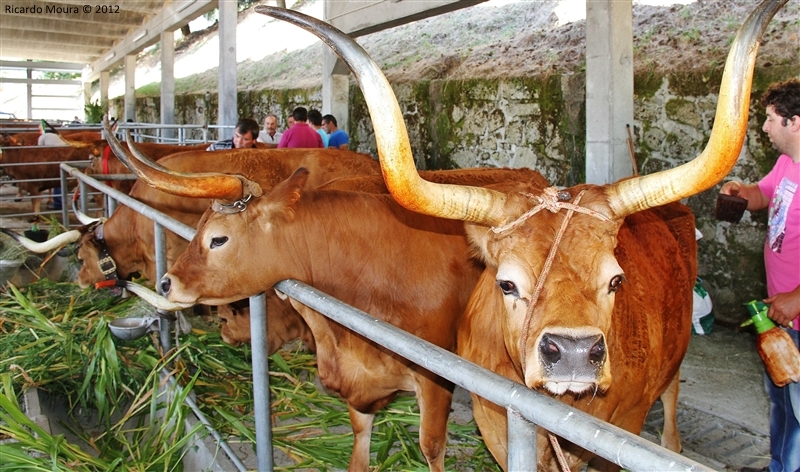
{"x":609,"y":89}
{"x":167,"y":82}
{"x":228,"y":107}
{"x":335,"y":88}
{"x":130,"y":87}
{"x":29,"y":90}
{"x":104,"y":81}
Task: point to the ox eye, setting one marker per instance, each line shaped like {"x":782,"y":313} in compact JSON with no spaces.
{"x":217,"y":242}
{"x":508,"y":287}
{"x":616,"y":281}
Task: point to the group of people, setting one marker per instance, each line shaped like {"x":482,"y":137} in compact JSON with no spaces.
{"x":305,"y":129}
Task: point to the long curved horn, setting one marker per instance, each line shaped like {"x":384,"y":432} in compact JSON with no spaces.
{"x":727,"y":134}
{"x":444,"y":200}
{"x":152,"y":298}
{"x":201,"y":185}
{"x":47,"y":246}
{"x":83,"y":217}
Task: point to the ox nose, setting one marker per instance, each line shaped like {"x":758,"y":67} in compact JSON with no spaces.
{"x":166,"y":285}
{"x":572,"y":358}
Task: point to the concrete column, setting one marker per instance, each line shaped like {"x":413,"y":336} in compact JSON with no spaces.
{"x":609,"y":89}
{"x":104,"y":81}
{"x":29,"y":89}
{"x":168,"y":82}
{"x":130,"y":87}
{"x":228,"y":107}
{"x":335,"y":88}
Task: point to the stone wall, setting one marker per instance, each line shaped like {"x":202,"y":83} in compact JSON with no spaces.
{"x":540,"y":123}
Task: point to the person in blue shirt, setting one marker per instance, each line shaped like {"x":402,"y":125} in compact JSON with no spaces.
{"x":337,"y":139}
{"x":315,"y":120}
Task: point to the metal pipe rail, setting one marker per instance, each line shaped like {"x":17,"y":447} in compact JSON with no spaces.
{"x":613,"y":443}
{"x":525,"y":407}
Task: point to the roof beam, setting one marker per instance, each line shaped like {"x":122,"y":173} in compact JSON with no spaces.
{"x":43,"y":65}
{"x":7,"y":23}
{"x":172,"y":17}
{"x":25,"y":50}
{"x":128,"y":19}
{"x":56,"y":40}
{"x":138,"y":6}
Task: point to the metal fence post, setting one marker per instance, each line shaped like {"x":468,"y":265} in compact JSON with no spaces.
{"x":258,"y":340}
{"x":522,"y":445}
{"x":161,"y":268}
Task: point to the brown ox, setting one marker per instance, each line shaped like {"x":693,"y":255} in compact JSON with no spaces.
{"x":127,"y":236}
{"x":39,"y":163}
{"x":104,"y":161}
{"x":586,"y":294}
{"x":32,"y":138}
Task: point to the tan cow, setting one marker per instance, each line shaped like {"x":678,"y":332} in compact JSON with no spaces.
{"x":587,"y":291}
{"x":39,"y":165}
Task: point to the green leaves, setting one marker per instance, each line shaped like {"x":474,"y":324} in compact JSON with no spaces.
{"x":55,"y":337}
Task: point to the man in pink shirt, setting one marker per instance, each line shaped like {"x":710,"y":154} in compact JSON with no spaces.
{"x":779,"y":191}
{"x":301,"y":134}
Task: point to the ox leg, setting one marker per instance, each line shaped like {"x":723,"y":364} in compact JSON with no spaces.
{"x":671,"y":438}
{"x":362,"y":433}
{"x":435,"y":398}
{"x":36,"y":203}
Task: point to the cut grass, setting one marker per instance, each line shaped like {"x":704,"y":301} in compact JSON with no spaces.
{"x":55,"y":336}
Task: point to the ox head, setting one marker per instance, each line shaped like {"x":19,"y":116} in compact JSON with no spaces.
{"x":225,"y":233}
{"x":552,"y":275}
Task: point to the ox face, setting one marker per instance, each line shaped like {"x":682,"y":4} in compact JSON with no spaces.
{"x":558,"y":344}
{"x":223,"y":259}
{"x":98,"y":263}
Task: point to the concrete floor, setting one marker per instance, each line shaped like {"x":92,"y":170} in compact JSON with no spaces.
{"x":723,"y":414}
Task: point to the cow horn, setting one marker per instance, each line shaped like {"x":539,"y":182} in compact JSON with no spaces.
{"x":47,"y":246}
{"x":83,"y":217}
{"x":152,"y":298}
{"x":203,"y":185}
{"x":727,"y":134}
{"x":447,"y":201}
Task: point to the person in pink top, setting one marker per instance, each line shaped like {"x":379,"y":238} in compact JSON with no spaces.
{"x":301,"y":134}
{"x":779,"y":192}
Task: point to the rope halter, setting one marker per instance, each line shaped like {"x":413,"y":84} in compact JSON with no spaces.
{"x":552,"y":200}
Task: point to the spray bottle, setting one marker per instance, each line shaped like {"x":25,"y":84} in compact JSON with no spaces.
{"x":775,"y":346}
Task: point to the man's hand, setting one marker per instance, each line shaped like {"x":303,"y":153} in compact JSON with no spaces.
{"x":784,"y":307}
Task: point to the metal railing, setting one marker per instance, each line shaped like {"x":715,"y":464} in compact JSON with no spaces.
{"x":525,"y":407}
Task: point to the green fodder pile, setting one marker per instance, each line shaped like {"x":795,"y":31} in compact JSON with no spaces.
{"x":54,"y":336}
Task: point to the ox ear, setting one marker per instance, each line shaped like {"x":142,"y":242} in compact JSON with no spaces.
{"x":284,"y":195}
{"x":478,"y":236}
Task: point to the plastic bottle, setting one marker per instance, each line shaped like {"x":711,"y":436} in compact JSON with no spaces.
{"x":775,"y":346}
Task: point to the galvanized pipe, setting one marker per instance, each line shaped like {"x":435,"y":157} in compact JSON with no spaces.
{"x":260,"y":348}
{"x":182,"y":230}
{"x":165,"y":328}
{"x":522,"y":446}
{"x":193,"y":405}
{"x":606,"y":440}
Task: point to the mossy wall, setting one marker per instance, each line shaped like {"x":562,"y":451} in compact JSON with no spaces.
{"x":540,"y":123}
